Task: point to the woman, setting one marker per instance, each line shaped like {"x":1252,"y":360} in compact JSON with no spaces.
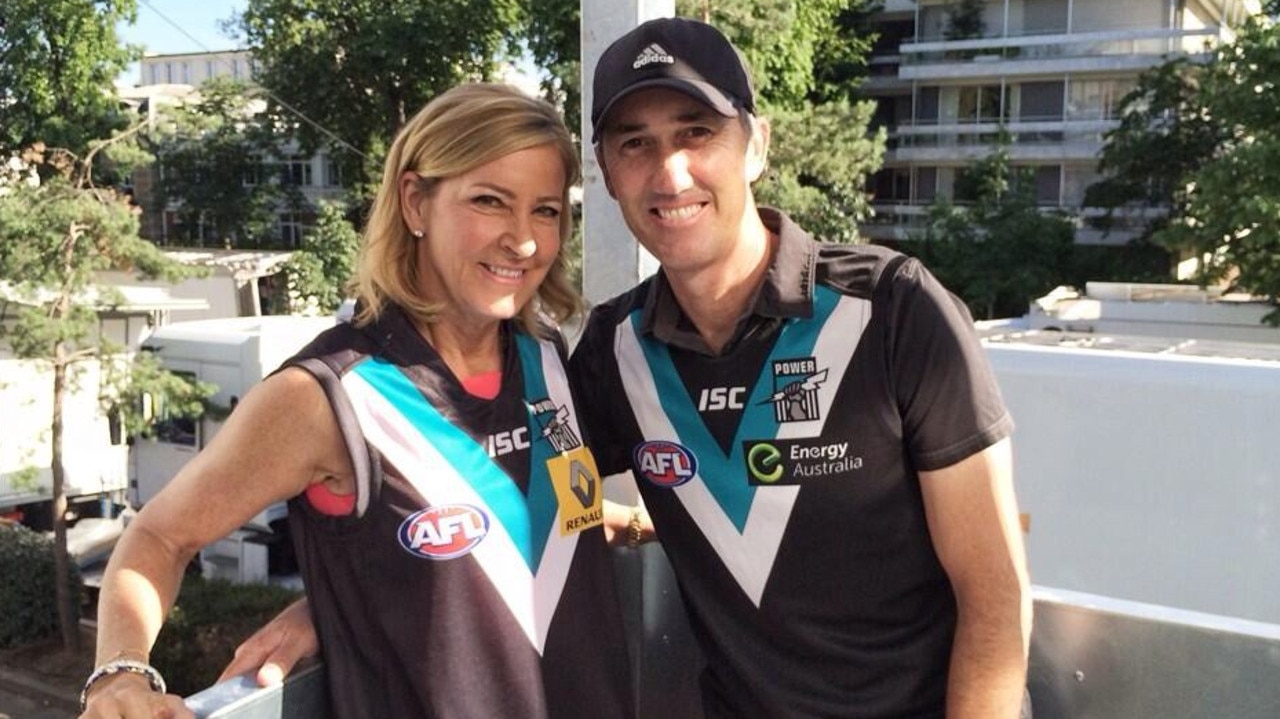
{"x":446,"y":514}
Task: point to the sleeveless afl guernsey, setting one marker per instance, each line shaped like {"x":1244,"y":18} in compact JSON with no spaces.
{"x":781,"y":473}
{"x":472,"y":579}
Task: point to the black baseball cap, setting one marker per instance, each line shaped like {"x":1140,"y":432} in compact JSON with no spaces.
{"x":685,"y":55}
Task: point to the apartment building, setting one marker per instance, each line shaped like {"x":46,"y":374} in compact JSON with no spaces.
{"x":171,"y":79}
{"x":950,"y":77}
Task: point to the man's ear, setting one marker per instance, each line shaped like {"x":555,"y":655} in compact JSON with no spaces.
{"x":604,"y":170}
{"x":758,"y":149}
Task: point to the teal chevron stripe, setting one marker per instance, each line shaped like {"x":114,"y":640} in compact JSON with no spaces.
{"x":468,"y":457}
{"x":723,"y":474}
{"x":541,"y":493}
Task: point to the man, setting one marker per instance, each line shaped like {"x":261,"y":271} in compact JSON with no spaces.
{"x":814,"y":428}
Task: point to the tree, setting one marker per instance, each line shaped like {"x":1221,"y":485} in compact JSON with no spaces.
{"x":214,"y":156}
{"x":58,"y":62}
{"x":54,"y":236}
{"x":359,"y":68}
{"x":805,"y":58}
{"x":320,"y":269}
{"x":1202,"y":141}
{"x":996,"y":251}
{"x":554,"y":38}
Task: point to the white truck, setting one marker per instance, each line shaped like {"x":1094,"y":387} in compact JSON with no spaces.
{"x":234,"y":354}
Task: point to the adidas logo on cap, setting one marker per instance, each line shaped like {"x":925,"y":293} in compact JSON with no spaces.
{"x":651,"y":54}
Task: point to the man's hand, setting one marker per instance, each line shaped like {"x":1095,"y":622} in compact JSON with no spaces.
{"x":274,"y":649}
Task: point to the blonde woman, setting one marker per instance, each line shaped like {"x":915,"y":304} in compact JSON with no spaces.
{"x":447,"y":516}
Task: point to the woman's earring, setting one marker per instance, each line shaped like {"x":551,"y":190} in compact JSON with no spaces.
{"x":417,"y":233}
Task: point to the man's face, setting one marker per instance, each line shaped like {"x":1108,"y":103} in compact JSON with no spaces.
{"x":681,"y":174}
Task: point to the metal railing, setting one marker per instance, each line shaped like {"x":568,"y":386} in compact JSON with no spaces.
{"x":1091,"y":657}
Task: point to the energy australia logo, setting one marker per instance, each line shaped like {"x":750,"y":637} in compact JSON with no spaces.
{"x":791,"y":461}
{"x":795,"y":390}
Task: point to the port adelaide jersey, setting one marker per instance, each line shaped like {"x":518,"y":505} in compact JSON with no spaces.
{"x":781,"y":473}
{"x":472,"y":579}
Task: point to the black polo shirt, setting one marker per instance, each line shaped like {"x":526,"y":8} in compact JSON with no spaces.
{"x":781,"y":473}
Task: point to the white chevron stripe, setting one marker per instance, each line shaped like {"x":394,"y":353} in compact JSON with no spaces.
{"x":439,"y":483}
{"x":557,"y":557}
{"x":749,"y":554}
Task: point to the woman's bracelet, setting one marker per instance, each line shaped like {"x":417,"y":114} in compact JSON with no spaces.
{"x":634,"y":528}
{"x":122,"y":666}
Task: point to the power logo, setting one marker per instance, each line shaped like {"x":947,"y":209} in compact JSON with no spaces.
{"x":443,"y":532}
{"x":665,"y":464}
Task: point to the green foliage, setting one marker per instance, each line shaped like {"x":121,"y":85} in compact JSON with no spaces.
{"x":1000,"y":252}
{"x":821,"y":150}
{"x":819,"y":160}
{"x":320,"y":269}
{"x":215,"y":157}
{"x":54,"y":237}
{"x":360,"y":68}
{"x":208,"y":621}
{"x":58,"y":62}
{"x":126,"y":382}
{"x":964,"y":21}
{"x":1204,"y":141}
{"x":554,"y":38}
{"x":27,"y":607}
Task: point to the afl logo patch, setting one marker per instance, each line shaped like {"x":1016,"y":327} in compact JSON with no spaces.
{"x":665,"y":464}
{"x":444,"y":532}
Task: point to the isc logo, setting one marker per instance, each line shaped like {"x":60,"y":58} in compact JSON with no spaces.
{"x":444,"y":532}
{"x":715,"y":399}
{"x":665,"y":464}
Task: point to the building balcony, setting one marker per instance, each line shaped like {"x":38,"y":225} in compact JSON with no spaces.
{"x":1054,"y":140}
{"x":905,"y":220}
{"x":1108,"y":51}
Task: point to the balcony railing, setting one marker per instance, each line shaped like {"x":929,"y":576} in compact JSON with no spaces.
{"x":1065,"y":45}
{"x":1091,"y":656}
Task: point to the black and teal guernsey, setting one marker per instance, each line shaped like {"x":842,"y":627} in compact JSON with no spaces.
{"x":781,"y":474}
{"x":472,"y":579}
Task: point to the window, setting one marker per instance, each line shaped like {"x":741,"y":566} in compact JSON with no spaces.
{"x":1048,"y":185}
{"x":252,"y":176}
{"x":1040,"y":101}
{"x":892,"y":185}
{"x":927,"y":106}
{"x":332,"y":173}
{"x":926,"y":184}
{"x":1096,"y":99}
{"x":296,"y":170}
{"x":979,"y":104}
{"x":291,"y":229}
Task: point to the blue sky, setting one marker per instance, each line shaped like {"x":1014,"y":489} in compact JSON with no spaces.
{"x":197,"y":27}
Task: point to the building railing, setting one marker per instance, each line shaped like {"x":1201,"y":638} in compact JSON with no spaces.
{"x":1091,"y":656}
{"x":1064,"y":45}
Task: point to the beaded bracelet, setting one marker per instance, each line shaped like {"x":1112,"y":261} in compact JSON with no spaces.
{"x":119,"y":666}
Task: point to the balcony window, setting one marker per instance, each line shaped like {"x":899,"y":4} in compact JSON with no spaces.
{"x":1048,"y":181}
{"x":979,"y":104}
{"x":926,"y":184}
{"x":927,"y":106}
{"x":1040,"y":101}
{"x":1096,"y":99}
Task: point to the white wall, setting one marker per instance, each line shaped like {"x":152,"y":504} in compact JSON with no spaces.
{"x":1147,"y":477}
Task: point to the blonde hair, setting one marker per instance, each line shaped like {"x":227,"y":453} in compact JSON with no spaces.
{"x":458,"y":131}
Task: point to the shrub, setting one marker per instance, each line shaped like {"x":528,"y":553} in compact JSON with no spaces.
{"x":28,"y":598}
{"x":210,"y":618}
